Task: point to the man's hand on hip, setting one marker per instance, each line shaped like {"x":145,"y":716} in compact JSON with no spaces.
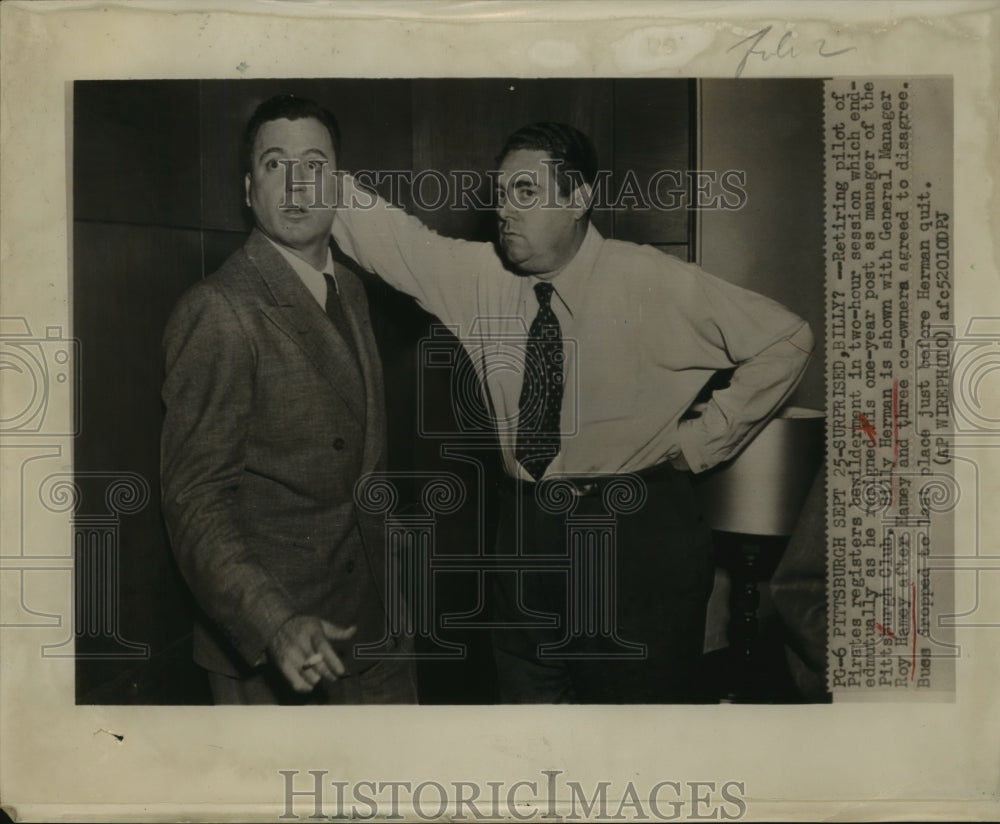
{"x":301,"y":650}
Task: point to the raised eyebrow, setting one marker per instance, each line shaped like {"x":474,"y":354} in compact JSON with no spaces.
{"x":279,"y":150}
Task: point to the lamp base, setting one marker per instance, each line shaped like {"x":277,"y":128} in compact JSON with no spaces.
{"x":754,"y":667}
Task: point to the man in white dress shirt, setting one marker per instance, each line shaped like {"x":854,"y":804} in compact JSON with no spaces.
{"x":618,"y":340}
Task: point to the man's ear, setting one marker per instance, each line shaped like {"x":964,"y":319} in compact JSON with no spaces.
{"x":581,"y":199}
{"x":246,"y":187}
{"x":332,"y":197}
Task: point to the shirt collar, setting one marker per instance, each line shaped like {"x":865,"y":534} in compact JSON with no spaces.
{"x":300,"y":266}
{"x":570,"y":283}
{"x":312,"y":278}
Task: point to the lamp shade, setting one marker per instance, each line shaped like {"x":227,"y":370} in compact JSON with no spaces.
{"x":761,"y":491}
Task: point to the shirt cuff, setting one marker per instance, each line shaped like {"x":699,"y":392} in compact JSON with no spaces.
{"x":690,"y":452}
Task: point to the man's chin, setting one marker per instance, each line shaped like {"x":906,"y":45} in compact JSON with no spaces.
{"x":307,"y":230}
{"x":520,"y":268}
{"x":516,"y":267}
{"x":512,"y":256}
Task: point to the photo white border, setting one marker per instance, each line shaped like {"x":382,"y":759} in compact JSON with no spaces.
{"x":852,"y":760}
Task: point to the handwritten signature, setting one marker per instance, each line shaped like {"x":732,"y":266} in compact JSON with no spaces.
{"x":755,"y":46}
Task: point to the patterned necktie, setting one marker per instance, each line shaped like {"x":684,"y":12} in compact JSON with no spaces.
{"x":540,"y":404}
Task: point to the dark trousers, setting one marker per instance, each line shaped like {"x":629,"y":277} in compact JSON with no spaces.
{"x":606,"y":601}
{"x":389,"y":681}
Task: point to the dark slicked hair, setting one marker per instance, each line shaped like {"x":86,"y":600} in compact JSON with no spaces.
{"x":564,"y":143}
{"x":286,"y":107}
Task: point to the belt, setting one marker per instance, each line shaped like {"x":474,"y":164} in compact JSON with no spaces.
{"x":586,"y":485}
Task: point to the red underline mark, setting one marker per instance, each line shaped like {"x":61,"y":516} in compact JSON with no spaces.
{"x":895,"y":423}
{"x":887,"y":632}
{"x":895,"y":440}
{"x":913,"y":622}
{"x":867,"y":428}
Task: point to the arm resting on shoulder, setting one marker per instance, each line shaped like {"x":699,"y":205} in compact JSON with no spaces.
{"x":439,"y":272}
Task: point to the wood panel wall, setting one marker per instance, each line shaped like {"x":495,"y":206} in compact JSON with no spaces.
{"x":158,"y":204}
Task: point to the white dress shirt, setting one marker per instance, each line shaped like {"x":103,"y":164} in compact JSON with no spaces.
{"x":312,"y":278}
{"x":643,"y":333}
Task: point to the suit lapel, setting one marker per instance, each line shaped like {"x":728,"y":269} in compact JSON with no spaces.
{"x":295,"y":311}
{"x":355,"y":305}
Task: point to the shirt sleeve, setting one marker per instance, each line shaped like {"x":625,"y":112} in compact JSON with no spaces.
{"x":440,"y":273}
{"x":769,"y":346}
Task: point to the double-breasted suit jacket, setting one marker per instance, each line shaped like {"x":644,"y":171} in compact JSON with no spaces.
{"x":270,"y":421}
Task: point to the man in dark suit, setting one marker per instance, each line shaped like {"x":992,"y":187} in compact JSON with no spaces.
{"x":274,"y":410}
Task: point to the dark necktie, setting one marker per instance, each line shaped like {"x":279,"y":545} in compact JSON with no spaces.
{"x":335,"y":311}
{"x":540,"y":403}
